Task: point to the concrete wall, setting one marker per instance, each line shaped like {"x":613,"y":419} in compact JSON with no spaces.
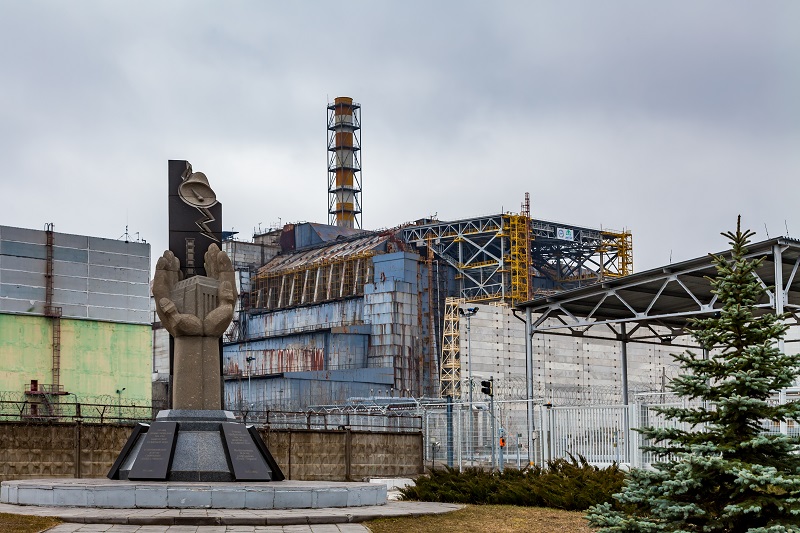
{"x":94,"y":278}
{"x":102,"y":287}
{"x":345,"y":455}
{"x":29,"y":451}
{"x":97,"y":358}
{"x":49,"y":450}
{"x":243,"y":254}
{"x":566,"y":370}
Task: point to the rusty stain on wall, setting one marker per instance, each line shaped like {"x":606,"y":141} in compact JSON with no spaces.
{"x":276,"y":361}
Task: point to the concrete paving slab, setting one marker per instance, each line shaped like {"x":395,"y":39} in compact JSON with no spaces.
{"x":345,"y":528}
{"x":196,"y":520}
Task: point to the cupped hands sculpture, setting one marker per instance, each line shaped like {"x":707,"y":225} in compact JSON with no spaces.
{"x":196,"y":312}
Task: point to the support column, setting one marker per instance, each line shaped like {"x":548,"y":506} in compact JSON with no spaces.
{"x":780,"y":300}
{"x":627,"y":421}
{"x":624,"y":362}
{"x":529,"y":381}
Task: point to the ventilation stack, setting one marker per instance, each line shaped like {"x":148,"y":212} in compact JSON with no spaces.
{"x":344,"y":164}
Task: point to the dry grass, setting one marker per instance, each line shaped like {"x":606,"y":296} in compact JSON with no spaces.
{"x":17,"y":523}
{"x":487,"y":519}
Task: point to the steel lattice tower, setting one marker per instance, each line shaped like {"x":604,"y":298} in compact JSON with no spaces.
{"x":344,"y":163}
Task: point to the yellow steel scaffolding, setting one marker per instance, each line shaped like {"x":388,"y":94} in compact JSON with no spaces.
{"x":519,"y":257}
{"x":450,"y":374}
{"x":616,"y":253}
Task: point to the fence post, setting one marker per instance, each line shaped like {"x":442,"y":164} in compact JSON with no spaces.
{"x":77,"y":449}
{"x":548,"y":434}
{"x":450,"y":431}
{"x":348,"y":453}
{"x":636,"y":451}
{"x":459,"y":439}
{"x":289,"y":454}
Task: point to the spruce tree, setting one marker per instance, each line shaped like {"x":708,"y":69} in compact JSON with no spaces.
{"x":725,"y":474}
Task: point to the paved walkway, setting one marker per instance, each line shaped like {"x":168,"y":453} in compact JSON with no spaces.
{"x":108,"y":528}
{"x":324,"y":520}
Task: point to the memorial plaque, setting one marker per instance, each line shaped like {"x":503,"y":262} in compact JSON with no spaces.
{"x":155,"y":457}
{"x":245,"y":458}
{"x":137,"y":430}
{"x":277,"y":473}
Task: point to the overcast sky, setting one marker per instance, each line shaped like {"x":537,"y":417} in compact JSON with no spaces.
{"x":666,"y":118}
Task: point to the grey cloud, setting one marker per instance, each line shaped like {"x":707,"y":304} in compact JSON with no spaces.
{"x":667,"y":118}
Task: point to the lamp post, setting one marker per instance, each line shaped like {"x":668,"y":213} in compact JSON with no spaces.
{"x":249,"y":360}
{"x":119,"y":404}
{"x":469,"y":312}
{"x":77,"y":406}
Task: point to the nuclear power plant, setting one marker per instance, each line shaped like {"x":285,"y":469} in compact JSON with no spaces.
{"x":459,"y":331}
{"x":331,"y":314}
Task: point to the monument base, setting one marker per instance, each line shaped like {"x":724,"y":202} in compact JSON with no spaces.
{"x":189,"y":445}
{"x":104,"y":493}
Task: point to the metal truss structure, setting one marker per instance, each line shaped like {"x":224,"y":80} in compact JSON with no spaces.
{"x":656,"y":304}
{"x":489,"y":255}
{"x":566,"y":256}
{"x":450,"y":372}
{"x":344,"y":163}
{"x":322,"y":281}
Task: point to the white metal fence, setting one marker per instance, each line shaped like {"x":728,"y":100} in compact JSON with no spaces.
{"x":602,"y":434}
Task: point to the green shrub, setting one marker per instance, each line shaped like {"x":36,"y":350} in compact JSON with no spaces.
{"x":570,"y":484}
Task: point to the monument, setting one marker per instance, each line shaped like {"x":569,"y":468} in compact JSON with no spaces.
{"x":194,"y":455}
{"x":195,"y":440}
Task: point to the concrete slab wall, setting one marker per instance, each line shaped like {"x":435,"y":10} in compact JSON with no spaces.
{"x":93,"y":278}
{"x":97,"y":358}
{"x":345,"y":455}
{"x":29,"y":451}
{"x":566,"y":370}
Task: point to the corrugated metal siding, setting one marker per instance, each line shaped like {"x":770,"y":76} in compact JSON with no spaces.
{"x":288,"y":321}
{"x":380,"y":332}
{"x":298,"y":390}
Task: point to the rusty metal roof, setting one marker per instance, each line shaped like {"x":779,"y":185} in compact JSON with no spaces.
{"x":328,"y":252}
{"x":331,"y":233}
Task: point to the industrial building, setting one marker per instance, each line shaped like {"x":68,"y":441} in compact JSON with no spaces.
{"x":328,"y":313}
{"x":74,"y":320}
{"x":333,"y":313}
{"x":339,"y":315}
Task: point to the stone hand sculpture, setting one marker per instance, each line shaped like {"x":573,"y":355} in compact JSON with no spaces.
{"x":196,"y":312}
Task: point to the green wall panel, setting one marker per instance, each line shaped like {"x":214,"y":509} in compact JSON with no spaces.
{"x":25,"y":351}
{"x":97,"y":358}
